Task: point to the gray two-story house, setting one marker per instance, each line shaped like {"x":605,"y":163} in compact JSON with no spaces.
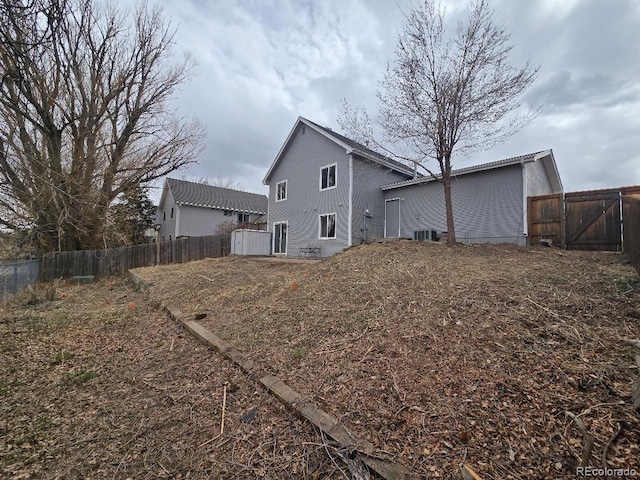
{"x":324,"y":191}
{"x":329,"y":192}
{"x":189,"y":209}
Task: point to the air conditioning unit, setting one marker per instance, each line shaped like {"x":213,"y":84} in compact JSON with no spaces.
{"x":421,"y":235}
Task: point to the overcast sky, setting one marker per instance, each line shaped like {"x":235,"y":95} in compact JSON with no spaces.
{"x":261,"y":64}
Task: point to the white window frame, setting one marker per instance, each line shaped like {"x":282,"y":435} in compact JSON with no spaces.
{"x":243,"y":215}
{"x":335,"y":177}
{"x":286,"y":188}
{"x":335,"y":226}
{"x":286,"y":243}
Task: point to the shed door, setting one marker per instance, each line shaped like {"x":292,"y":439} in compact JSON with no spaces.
{"x":392,"y":218}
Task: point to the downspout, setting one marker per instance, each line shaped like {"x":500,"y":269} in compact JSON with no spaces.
{"x":269,"y":205}
{"x":350,"y":215}
{"x":177,"y":220}
{"x":525,"y":219}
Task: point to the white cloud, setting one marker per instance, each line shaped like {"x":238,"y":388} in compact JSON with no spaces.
{"x":263,"y":63}
{"x":556,"y":10}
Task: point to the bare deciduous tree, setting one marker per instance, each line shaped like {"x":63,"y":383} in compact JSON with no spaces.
{"x":84,"y":114}
{"x":446,"y":93}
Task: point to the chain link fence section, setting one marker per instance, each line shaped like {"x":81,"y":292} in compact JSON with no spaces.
{"x":15,"y":275}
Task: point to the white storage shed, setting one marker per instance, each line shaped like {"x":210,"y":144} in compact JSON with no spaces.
{"x":250,"y":242}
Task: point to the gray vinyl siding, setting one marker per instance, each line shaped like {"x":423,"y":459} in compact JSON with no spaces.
{"x":200,"y":221}
{"x":538,"y":182}
{"x":300,"y":165}
{"x":368,"y":177}
{"x":192,"y":221}
{"x":487,"y":206}
{"x":168,"y":226}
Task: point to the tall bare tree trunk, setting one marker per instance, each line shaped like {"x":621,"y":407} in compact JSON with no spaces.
{"x":448,"y":202}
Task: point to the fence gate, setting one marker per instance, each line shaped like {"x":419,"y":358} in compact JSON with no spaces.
{"x":593,"y":220}
{"x":546,"y":220}
{"x":631,"y":237}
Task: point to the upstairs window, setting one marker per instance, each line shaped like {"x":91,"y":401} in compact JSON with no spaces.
{"x":328,"y":177}
{"x":281,"y":191}
{"x":171,"y":212}
{"x":164,"y":216}
{"x":243,"y":218}
{"x":328,"y":226}
{"x":228,"y":213}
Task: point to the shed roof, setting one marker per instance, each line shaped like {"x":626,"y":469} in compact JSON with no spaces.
{"x":202,"y":195}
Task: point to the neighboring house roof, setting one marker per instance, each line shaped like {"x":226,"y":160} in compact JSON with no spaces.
{"x":351,"y":146}
{"x":546,"y":156}
{"x":201,"y":195}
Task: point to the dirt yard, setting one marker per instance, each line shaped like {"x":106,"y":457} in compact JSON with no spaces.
{"x":95,"y":384}
{"x":439,"y":356}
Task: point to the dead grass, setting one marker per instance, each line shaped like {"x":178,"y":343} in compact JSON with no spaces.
{"x":441,"y":355}
{"x":94,"y":383}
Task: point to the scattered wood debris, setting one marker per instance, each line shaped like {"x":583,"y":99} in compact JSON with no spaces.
{"x":90,"y":388}
{"x":442,"y":356}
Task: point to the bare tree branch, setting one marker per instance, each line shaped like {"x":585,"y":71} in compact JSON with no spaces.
{"x":446,"y":93}
{"x":84,"y":114}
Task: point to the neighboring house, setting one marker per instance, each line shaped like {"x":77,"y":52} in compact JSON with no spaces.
{"x":489,"y":200}
{"x":328,"y":192}
{"x":189,"y":209}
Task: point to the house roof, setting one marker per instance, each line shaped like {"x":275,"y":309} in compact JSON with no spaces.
{"x":201,"y":195}
{"x":546,"y":156}
{"x":351,"y":147}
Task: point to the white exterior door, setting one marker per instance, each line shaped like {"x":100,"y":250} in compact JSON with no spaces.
{"x":392,"y":218}
{"x":280,"y":238}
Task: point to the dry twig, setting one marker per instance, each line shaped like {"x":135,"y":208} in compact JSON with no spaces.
{"x":224,"y":405}
{"x":588,"y":438}
{"x":469,"y":474}
{"x":633,"y":342}
{"x":206,"y":278}
{"x":613,"y":438}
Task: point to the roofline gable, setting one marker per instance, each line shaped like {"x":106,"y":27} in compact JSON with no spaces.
{"x":549,"y":162}
{"x":165,"y":188}
{"x":265,"y":180}
{"x":348,"y":149}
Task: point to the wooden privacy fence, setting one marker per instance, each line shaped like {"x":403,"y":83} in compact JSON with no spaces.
{"x":118,"y":261}
{"x":590,"y":220}
{"x":631,"y":240}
